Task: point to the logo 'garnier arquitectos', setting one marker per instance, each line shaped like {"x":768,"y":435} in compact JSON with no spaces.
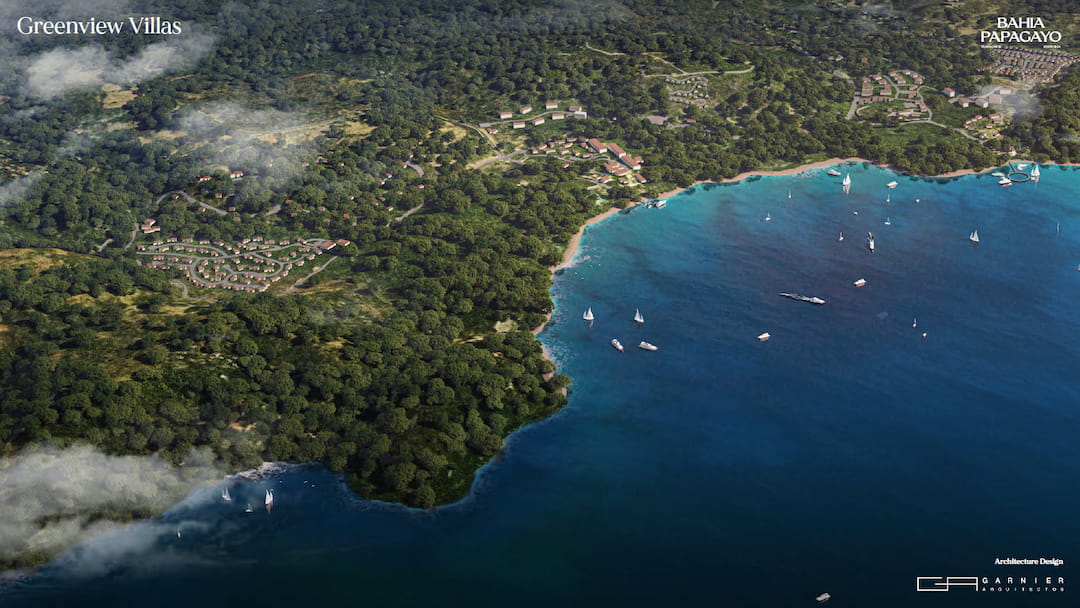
{"x":1021,"y":584}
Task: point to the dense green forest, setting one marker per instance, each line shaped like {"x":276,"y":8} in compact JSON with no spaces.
{"x":389,"y":367}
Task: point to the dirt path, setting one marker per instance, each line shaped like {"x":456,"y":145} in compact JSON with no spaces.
{"x":303,"y":280}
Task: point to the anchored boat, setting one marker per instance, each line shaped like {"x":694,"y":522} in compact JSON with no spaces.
{"x":809,"y":299}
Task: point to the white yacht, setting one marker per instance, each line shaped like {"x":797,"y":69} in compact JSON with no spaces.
{"x":646,"y":346}
{"x":1004,"y":181}
{"x":833,"y":172}
{"x":763,"y":337}
{"x":616,"y":345}
{"x":1021,"y":166}
{"x":892,"y":185}
{"x":860,"y":282}
{"x":824,"y":597}
{"x":998,"y":174}
{"x":638,"y":317}
{"x":660,"y":204}
{"x":974,"y":236}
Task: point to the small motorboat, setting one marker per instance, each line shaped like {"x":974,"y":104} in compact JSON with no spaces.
{"x":616,"y":345}
{"x":824,"y":597}
{"x":860,"y":282}
{"x":764,"y":337}
{"x":646,"y":346}
{"x":892,"y":185}
{"x":833,"y":172}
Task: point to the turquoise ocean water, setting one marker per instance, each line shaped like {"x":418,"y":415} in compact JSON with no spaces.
{"x":848,"y":454}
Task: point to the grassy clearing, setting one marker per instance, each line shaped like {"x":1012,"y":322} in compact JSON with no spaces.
{"x":39,"y":259}
{"x":115,"y":97}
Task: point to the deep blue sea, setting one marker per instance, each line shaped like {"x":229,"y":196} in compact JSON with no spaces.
{"x":848,"y":454}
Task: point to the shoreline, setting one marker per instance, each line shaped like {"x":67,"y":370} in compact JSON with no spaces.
{"x":568,"y":256}
{"x":575,"y":241}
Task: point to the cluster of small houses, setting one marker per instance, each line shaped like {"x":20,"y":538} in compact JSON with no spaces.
{"x":897,"y":87}
{"x":691,"y":95}
{"x":993,"y":99}
{"x":551,"y":109}
{"x":620,"y":167}
{"x":259,"y":274}
{"x":1029,"y":65}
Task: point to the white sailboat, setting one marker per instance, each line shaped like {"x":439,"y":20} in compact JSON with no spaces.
{"x":638,"y":317}
{"x":249,"y":509}
{"x":225,"y":495}
{"x":767,"y":218}
{"x":888,"y":222}
{"x":1035,"y":174}
{"x":789,"y":194}
{"x":588,"y":316}
{"x":269,"y":501}
{"x":841,"y":236}
{"x":888,"y":198}
{"x":915,"y":322}
{"x":847,"y":183}
{"x":974,"y":236}
{"x":870,"y":241}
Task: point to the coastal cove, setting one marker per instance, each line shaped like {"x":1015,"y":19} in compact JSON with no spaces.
{"x":848,"y":454}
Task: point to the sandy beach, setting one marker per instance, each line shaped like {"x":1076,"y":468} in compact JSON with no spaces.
{"x":575,"y":241}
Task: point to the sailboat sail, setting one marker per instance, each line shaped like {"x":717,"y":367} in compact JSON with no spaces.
{"x":225,"y":495}
{"x":974,"y":237}
{"x":588,"y":316}
{"x":269,"y":500}
{"x":638,"y":318}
